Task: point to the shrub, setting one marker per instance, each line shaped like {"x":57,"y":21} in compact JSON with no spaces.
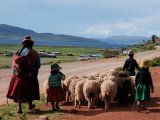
{"x":155,"y":62}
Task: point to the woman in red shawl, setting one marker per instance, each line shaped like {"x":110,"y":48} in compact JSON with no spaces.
{"x":24,"y":86}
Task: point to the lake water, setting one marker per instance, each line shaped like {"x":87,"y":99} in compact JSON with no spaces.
{"x":64,"y":43}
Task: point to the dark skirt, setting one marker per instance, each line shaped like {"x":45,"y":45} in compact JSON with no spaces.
{"x":25,"y":88}
{"x":55,"y":94}
{"x":142,"y":92}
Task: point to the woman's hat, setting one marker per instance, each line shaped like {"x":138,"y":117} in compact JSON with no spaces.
{"x":144,"y":64}
{"x":130,"y":52}
{"x":27,"y":38}
{"x":55,"y":67}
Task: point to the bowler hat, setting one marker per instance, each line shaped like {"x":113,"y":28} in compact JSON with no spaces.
{"x":27,"y":38}
{"x":144,"y":64}
{"x":55,"y":66}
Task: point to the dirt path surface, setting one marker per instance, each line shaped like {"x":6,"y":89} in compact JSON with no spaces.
{"x":116,"y":112}
{"x":79,"y":68}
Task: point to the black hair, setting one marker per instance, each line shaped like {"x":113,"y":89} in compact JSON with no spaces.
{"x":131,"y":55}
{"x":54,"y":71}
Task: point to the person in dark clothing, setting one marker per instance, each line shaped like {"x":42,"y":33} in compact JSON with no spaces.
{"x":130,"y":64}
{"x":143,"y":83}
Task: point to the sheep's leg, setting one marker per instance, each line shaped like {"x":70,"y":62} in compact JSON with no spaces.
{"x":106,"y":104}
{"x":75,"y":103}
{"x":79,"y":105}
{"x":89,"y":104}
{"x":92,"y":104}
{"x":68,"y":97}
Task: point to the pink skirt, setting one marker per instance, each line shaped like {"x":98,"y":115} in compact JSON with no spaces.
{"x":55,"y":94}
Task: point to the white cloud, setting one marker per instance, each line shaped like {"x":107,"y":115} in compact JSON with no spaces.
{"x":146,"y":26}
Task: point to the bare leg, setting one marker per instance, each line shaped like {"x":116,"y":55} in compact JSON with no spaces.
{"x":139,"y":105}
{"x":19,"y":106}
{"x":57,"y":105}
{"x":53,"y":106}
{"x":31,"y":106}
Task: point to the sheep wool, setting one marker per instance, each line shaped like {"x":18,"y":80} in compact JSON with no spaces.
{"x":91,"y":90}
{"x":108,"y":91}
{"x":79,"y":96}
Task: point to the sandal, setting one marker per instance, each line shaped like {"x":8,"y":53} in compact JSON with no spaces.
{"x":20,"y":112}
{"x":31,"y":107}
{"x":53,"y":108}
{"x":57,"y":107}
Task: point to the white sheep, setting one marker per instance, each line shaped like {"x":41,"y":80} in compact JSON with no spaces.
{"x":108,"y":91}
{"x":132,"y":80}
{"x":45,"y":87}
{"x":112,"y":72}
{"x":79,"y":96}
{"x":66,"y":84}
{"x":91,"y":90}
{"x":72,"y":86}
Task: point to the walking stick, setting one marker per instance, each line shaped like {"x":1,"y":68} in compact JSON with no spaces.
{"x":134,"y":105}
{"x":7,"y":102}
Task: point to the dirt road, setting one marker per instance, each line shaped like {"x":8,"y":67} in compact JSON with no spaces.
{"x":79,"y":68}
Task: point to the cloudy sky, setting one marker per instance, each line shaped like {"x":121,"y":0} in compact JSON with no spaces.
{"x":88,"y":18}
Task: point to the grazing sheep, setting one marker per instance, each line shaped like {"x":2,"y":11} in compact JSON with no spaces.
{"x":108,"y":91}
{"x":79,"y":96}
{"x":91,"y":90}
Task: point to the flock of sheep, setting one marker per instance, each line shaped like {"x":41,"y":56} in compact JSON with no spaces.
{"x":107,"y":86}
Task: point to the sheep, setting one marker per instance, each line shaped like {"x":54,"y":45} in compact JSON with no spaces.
{"x":72,"y":86}
{"x":103,"y":74}
{"x":124,"y":89}
{"x":45,"y":87}
{"x":91,"y":90}
{"x":79,"y":96}
{"x":112,"y":72}
{"x":132,"y":81}
{"x":66,"y":84}
{"x":108,"y":91}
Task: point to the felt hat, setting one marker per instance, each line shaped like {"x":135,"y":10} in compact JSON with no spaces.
{"x":144,"y":64}
{"x":130,"y":52}
{"x":27,"y":38}
{"x":55,"y":66}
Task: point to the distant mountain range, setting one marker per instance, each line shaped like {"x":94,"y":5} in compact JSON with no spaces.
{"x":125,"y":40}
{"x":13,"y":35}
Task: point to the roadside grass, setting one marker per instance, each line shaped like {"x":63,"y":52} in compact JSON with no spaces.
{"x":6,"y":61}
{"x":140,"y":48}
{"x":8,"y":112}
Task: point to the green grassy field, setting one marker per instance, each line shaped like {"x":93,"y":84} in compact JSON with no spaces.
{"x":10,"y":112}
{"x":5,"y":61}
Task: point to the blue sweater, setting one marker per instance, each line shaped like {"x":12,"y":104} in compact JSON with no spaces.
{"x":55,"y":79}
